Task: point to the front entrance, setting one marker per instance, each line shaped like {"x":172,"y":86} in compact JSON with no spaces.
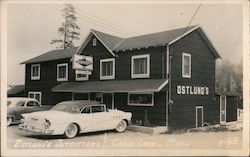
{"x":199,"y":116}
{"x":223,"y":106}
{"x":108,"y":99}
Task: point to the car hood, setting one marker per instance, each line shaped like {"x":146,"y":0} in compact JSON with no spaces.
{"x":54,"y":116}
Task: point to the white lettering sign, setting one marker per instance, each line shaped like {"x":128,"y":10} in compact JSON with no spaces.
{"x":81,"y":62}
{"x":83,"y":72}
{"x":192,"y":90}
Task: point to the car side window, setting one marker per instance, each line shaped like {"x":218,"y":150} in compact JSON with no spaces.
{"x":20,"y":103}
{"x":86,"y":110}
{"x":33,"y":104}
{"x":96,"y":109}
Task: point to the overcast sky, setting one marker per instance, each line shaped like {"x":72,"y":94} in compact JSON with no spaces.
{"x":31,"y":27}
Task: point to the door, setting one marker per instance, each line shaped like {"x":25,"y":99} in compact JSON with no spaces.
{"x":108,"y":100}
{"x":95,"y":118}
{"x":199,"y":116}
{"x":223,"y":106}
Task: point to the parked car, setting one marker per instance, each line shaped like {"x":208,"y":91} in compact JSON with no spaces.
{"x":18,"y":105}
{"x":70,"y":118}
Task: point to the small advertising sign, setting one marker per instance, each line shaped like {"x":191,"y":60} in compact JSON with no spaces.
{"x":85,"y":72}
{"x":83,"y":63}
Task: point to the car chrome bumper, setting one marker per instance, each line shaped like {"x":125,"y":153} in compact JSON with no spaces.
{"x":35,"y":129}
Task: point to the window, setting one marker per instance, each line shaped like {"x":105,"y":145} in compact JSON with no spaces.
{"x":62,"y":72}
{"x":36,"y":95}
{"x":81,"y":76}
{"x":107,"y":69}
{"x":140,"y":66}
{"x":94,"y":41}
{"x":20,"y":103}
{"x":98,"y":97}
{"x":86,"y":110}
{"x":141,"y":99}
{"x":186,"y":65}
{"x":96,"y":109}
{"x":32,"y":104}
{"x":35,"y":72}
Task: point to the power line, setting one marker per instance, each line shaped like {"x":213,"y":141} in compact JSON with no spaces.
{"x":235,"y":45}
{"x":103,"y":23}
{"x":191,"y":19}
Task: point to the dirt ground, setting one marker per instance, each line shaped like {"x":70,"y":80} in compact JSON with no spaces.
{"x":18,"y":139}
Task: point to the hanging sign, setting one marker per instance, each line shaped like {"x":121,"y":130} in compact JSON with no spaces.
{"x":81,"y":62}
{"x":84,"y":72}
{"x":192,"y":90}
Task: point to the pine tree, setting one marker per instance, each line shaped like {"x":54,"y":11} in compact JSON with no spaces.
{"x":69,"y":30}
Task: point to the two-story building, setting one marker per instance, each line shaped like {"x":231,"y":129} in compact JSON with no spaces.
{"x":164,"y":79}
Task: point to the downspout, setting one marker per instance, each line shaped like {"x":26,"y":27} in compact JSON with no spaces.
{"x":168,"y":92}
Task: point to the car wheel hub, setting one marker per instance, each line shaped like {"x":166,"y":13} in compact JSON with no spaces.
{"x":71,"y":131}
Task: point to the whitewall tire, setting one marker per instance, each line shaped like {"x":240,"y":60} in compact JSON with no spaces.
{"x":9,"y":121}
{"x":71,"y":131}
{"x":121,"y":127}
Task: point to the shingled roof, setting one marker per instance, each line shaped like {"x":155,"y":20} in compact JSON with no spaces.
{"x":115,"y":44}
{"x":16,"y":89}
{"x":53,"y":55}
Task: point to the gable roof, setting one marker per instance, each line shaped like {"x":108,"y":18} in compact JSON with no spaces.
{"x":115,"y":44}
{"x":53,"y":55}
{"x":16,"y":89}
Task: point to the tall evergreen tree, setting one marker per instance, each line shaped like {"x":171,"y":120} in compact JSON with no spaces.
{"x":69,"y":30}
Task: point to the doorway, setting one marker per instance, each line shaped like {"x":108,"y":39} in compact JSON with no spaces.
{"x":223,"y":106}
{"x":199,"y":116}
{"x":108,"y":99}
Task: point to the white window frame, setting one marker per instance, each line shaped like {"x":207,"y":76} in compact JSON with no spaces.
{"x":35,"y":93}
{"x":221,"y":97}
{"x":183,"y":73}
{"x":196,"y":110}
{"x":148,"y":66}
{"x":134,"y":104}
{"x":94,"y":42}
{"x":81,"y":78}
{"x":39,"y":70}
{"x":57,"y":73}
{"x":107,"y":77}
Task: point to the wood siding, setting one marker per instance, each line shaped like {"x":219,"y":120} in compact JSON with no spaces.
{"x":182,"y":111}
{"x":123,"y":61}
{"x":156,"y":114}
{"x":48,"y":80}
{"x":231,"y":109}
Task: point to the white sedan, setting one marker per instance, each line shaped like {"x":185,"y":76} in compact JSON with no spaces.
{"x":70,"y":118}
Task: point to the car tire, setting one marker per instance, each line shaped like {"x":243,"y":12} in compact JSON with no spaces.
{"x":122,"y":126}
{"x":9,"y":121}
{"x":71,"y":131}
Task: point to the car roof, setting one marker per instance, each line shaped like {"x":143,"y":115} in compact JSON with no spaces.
{"x":21,"y":98}
{"x":83,"y":103}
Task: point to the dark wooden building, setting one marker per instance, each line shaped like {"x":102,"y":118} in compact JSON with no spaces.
{"x":164,"y":79}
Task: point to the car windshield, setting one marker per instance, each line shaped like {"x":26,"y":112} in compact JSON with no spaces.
{"x":66,"y":107}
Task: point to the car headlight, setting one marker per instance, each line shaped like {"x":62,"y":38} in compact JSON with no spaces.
{"x":47,"y":124}
{"x":22,"y":120}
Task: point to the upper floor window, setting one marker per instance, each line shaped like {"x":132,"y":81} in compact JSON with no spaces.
{"x":62,"y":72}
{"x":107,"y":69}
{"x":94,"y":41}
{"x":186,"y":65}
{"x":35,"y":72}
{"x":140,"y":66}
{"x":80,"y":76}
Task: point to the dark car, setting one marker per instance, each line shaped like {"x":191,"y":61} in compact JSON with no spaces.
{"x":18,"y":105}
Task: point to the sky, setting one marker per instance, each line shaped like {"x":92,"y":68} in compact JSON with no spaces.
{"x":31,"y":27}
